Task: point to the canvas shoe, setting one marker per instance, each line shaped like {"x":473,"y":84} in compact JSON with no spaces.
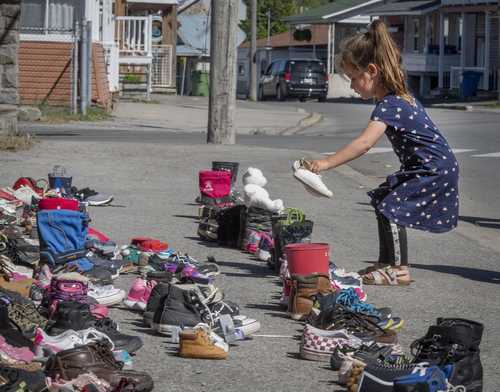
{"x":139,"y":293}
{"x":46,"y":345}
{"x":319,"y":345}
{"x":106,"y":295}
{"x":202,"y":343}
{"x":77,"y":316}
{"x":91,"y":197}
{"x":311,"y":181}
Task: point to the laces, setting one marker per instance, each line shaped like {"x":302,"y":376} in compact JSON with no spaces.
{"x":92,"y":335}
{"x":106,"y":324}
{"x":105,"y":354}
{"x":349,"y":298}
{"x":429,"y":348}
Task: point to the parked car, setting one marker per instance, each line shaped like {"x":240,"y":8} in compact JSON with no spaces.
{"x":300,"y":78}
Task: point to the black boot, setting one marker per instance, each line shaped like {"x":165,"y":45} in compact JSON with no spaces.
{"x":453,"y":345}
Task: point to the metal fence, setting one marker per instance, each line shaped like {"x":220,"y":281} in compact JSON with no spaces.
{"x":162,"y":75}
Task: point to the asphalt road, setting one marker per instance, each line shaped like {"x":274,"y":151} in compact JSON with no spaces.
{"x":474,"y":136}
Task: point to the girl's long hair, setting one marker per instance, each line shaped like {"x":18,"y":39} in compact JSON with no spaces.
{"x":376,"y":46}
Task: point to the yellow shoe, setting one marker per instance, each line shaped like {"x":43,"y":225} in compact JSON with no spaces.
{"x":201,"y":343}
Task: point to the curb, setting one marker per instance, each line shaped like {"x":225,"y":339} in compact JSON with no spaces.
{"x":466,"y":108}
{"x":308,"y":121}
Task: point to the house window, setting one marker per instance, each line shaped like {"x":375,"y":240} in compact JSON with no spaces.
{"x":50,"y":16}
{"x":416,"y":34}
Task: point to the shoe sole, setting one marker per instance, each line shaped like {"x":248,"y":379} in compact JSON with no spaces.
{"x":100,"y":203}
{"x":171,"y":331}
{"x":312,"y":355}
{"x":355,"y":374}
{"x":110,"y":300}
{"x":250,"y":329}
{"x":139,"y":305}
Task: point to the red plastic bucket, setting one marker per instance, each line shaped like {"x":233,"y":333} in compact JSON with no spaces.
{"x":306,"y":259}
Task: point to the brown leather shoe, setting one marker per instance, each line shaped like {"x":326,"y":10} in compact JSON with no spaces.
{"x":98,"y":359}
{"x":303,"y":291}
{"x":198,"y":343}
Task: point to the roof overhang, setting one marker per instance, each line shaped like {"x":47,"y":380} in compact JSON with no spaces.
{"x":415,"y":8}
{"x":332,"y":17}
{"x":153,"y":2}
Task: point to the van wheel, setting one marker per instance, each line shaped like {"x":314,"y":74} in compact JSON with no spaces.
{"x":279,"y":94}
{"x":302,"y":99}
{"x":322,"y":99}
{"x":260,"y":94}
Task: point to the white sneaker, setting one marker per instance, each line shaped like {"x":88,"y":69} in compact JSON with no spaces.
{"x":106,"y":295}
{"x":311,"y":181}
{"x":46,"y":345}
{"x":26,"y":195}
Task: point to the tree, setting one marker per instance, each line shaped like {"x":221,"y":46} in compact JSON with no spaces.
{"x":279,"y":10}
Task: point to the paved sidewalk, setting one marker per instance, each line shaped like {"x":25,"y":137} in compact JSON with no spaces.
{"x":154,"y":188}
{"x":190,"y":114}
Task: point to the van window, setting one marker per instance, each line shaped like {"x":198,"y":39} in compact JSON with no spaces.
{"x":305,"y":66}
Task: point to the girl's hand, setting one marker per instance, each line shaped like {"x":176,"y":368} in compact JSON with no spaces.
{"x":318,"y":166}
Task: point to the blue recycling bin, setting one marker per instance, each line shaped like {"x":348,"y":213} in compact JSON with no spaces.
{"x":470,"y":82}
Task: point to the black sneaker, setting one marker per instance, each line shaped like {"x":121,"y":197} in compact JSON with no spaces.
{"x":77,"y":316}
{"x":179,"y":309}
{"x":154,"y":302}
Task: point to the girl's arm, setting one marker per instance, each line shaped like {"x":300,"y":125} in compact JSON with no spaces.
{"x":353,"y":150}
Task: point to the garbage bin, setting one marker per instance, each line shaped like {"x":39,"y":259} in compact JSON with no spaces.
{"x":200,"y":81}
{"x":470,"y":82}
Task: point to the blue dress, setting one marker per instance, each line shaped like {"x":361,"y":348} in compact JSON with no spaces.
{"x":423,"y":193}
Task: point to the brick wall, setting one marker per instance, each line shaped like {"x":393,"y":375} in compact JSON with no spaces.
{"x":45,"y":74}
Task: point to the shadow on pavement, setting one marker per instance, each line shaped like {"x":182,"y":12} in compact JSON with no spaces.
{"x":490,"y":223}
{"x":254,"y":271}
{"x":477,"y":274}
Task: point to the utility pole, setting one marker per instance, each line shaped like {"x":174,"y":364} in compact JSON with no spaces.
{"x":253,"y":51}
{"x":222,"y":99}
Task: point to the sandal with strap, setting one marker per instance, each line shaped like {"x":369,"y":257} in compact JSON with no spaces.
{"x":387,"y":276}
{"x":372,"y":268}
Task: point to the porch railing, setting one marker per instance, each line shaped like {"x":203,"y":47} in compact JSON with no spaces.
{"x":133,"y":35}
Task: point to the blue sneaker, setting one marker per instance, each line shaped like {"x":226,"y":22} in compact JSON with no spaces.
{"x":423,"y":378}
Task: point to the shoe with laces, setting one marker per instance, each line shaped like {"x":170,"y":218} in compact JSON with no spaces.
{"x":46,"y":345}
{"x":319,"y":345}
{"x":106,"y":295}
{"x":200,"y":342}
{"x":139,"y":294}
{"x":98,"y":359}
{"x":77,"y":316}
{"x":361,"y":326}
{"x":311,"y":181}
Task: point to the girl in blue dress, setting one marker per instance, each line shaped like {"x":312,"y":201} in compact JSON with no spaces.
{"x":423,"y":193}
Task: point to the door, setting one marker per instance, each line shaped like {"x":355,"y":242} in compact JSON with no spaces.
{"x":265,"y":80}
{"x":308,"y":74}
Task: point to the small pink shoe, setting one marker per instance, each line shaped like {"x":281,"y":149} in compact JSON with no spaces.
{"x":139,"y":294}
{"x":17,"y":354}
{"x":99,"y":311}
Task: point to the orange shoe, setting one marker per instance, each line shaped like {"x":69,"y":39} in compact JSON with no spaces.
{"x":201,"y":343}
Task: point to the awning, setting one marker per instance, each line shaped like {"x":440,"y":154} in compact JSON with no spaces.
{"x":406,"y":8}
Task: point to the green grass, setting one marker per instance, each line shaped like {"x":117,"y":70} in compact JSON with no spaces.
{"x":57,"y":114}
{"x":16,"y":142}
{"x":494,"y":105}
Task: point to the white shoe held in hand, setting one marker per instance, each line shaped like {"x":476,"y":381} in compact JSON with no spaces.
{"x":311,"y":181}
